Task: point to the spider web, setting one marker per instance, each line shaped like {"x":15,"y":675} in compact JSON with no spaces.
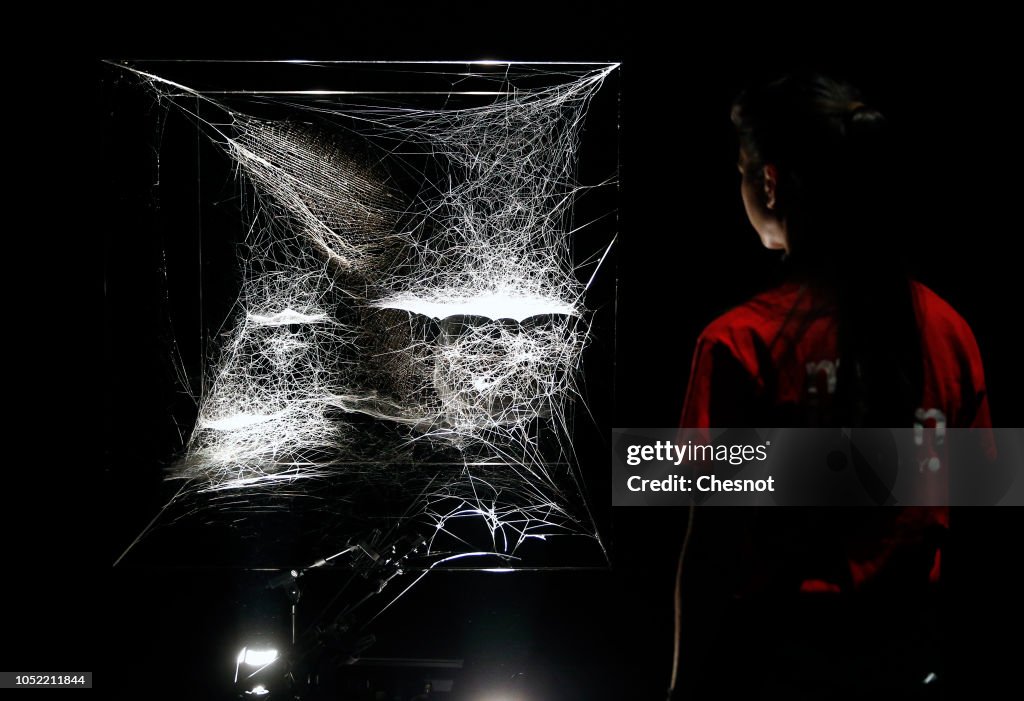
{"x":412,"y":317}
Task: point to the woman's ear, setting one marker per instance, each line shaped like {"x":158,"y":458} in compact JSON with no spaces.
{"x":771,"y":183}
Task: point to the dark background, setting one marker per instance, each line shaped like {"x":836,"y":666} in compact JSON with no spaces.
{"x":686,"y":255}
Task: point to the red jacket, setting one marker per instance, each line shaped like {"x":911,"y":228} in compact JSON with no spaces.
{"x":777,"y":355}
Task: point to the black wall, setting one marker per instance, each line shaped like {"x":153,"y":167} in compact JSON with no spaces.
{"x":686,"y":255}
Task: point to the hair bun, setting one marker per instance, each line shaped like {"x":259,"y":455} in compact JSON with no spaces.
{"x":860,"y":109}
{"x":861,"y":118}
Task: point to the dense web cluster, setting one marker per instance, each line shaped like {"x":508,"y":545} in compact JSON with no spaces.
{"x":411,"y":292}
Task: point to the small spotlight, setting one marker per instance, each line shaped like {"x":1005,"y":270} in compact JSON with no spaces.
{"x":258,"y":690}
{"x":259,"y":658}
{"x":254,"y":658}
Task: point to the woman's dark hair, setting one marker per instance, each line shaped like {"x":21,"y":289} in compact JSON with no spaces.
{"x":836,"y":193}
